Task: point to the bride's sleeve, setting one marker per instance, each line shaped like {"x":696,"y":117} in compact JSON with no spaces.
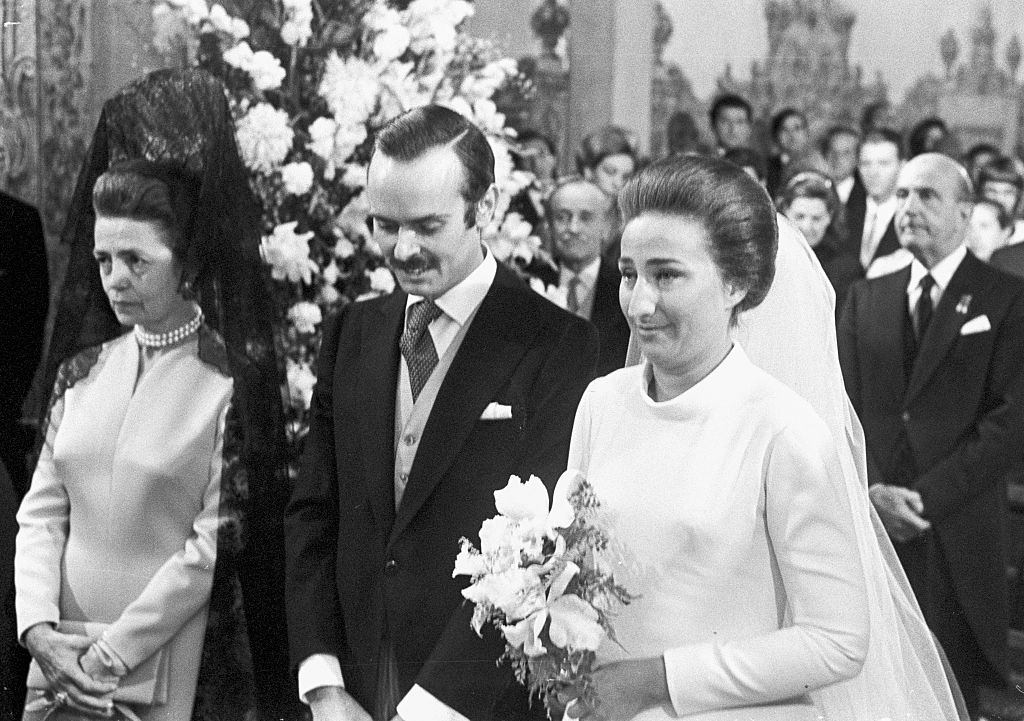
{"x":824,"y":637}
{"x":579,"y":443}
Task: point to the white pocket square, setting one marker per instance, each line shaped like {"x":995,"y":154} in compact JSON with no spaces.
{"x":976,"y":325}
{"x":496,"y":412}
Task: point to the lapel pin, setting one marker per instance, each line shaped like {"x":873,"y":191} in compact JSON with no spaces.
{"x":965,"y":304}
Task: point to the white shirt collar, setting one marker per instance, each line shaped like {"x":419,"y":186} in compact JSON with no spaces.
{"x":886,"y":207}
{"x":844,"y":187}
{"x":942,"y":271}
{"x":587,"y":274}
{"x":461,"y":300}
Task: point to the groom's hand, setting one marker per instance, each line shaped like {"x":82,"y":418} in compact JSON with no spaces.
{"x":333,"y":703}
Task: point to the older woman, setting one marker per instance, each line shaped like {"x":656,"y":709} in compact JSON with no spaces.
{"x":146,"y":533}
{"x":744,"y":546}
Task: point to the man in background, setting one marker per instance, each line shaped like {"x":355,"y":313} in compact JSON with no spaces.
{"x":931,"y":360}
{"x":879,"y":163}
{"x":582,"y":218}
{"x":732,"y":122}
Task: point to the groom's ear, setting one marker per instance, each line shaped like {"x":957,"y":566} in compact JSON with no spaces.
{"x":485,"y":207}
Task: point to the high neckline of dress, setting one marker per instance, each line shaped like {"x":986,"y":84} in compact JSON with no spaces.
{"x":713,"y":388}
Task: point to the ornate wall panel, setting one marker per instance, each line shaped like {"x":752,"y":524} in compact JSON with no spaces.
{"x":18,"y":100}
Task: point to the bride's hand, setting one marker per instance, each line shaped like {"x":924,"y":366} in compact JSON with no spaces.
{"x":624,"y":689}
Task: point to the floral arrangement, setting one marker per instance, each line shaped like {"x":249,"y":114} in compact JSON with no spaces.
{"x":541,"y":577}
{"x":309,"y":83}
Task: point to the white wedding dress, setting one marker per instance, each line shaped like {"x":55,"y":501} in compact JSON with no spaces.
{"x":765,"y":580}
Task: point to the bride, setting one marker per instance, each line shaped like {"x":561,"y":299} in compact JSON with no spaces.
{"x":763,"y":590}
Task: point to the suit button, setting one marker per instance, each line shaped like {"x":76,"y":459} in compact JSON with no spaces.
{"x":906,"y":416}
{"x":390,"y":566}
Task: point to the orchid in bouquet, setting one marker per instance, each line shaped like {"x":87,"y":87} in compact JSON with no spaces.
{"x":310,"y":83}
{"x":539,"y":578}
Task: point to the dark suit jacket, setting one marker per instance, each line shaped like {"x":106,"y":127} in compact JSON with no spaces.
{"x":1010,"y":258}
{"x":24,"y":301}
{"x":353,"y":561}
{"x":607,"y":317}
{"x":951,"y":425}
{"x":854,"y":209}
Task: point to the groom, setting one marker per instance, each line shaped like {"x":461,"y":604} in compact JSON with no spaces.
{"x":426,"y":401}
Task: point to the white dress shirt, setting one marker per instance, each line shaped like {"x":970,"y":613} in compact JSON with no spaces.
{"x":459,"y":304}
{"x":843,"y":189}
{"x":942,"y":272}
{"x":585,"y":287}
{"x":877,"y":217}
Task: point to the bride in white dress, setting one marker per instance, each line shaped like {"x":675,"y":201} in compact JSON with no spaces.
{"x":762,"y":591}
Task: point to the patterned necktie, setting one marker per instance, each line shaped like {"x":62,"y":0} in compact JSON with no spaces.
{"x":572,"y":295}
{"x":924,"y":309}
{"x":417,"y":346}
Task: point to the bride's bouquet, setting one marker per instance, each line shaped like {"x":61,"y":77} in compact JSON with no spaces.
{"x":541,"y":576}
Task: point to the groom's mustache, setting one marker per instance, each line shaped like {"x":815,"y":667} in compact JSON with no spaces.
{"x":418,"y":263}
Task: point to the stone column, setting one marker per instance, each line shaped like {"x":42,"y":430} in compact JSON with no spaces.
{"x":611,"y":58}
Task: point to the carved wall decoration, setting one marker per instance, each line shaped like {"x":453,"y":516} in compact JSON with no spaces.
{"x":18,"y":100}
{"x":65,"y":55}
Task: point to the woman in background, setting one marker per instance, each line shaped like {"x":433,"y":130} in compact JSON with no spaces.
{"x":608,"y":158}
{"x":810,"y":202}
{"x":149,"y":556}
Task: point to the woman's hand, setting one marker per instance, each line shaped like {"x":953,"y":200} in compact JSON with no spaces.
{"x":57,"y":655}
{"x":624,"y":689}
{"x":100,"y":667}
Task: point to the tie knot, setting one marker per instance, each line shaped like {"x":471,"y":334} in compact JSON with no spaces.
{"x":421,"y":314}
{"x":927,"y":283}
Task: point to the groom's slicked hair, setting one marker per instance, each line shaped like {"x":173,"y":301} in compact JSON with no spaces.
{"x":420,"y":130}
{"x":733,"y":208}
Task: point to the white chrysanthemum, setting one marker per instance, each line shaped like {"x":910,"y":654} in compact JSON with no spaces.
{"x":168,"y":28}
{"x":298,"y":25}
{"x":220,"y":19}
{"x":266,"y":70}
{"x":331,"y":273}
{"x":297,"y":177}
{"x":401,"y":91}
{"x":483,"y":83}
{"x":301,"y":381}
{"x":287,"y":254}
{"x":350,"y":87}
{"x":381,"y":280}
{"x":264,"y":137}
{"x":238,"y":56}
{"x":487,"y":117}
{"x":391,"y":43}
{"x":344,"y":248}
{"x":328,"y":295}
{"x":346,"y":140}
{"x":354,"y":176}
{"x":196,"y":11}
{"x":239,"y":28}
{"x":321,"y":137}
{"x":305,"y":316}
{"x":434,"y":23}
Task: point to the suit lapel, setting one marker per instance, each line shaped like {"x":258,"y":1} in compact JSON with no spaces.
{"x":945,"y":324}
{"x":604,"y":295}
{"x":891,"y":295}
{"x":378,"y":379}
{"x":497,"y":338}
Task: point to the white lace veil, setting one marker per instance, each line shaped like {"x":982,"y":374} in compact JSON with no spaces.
{"x":792,"y":336}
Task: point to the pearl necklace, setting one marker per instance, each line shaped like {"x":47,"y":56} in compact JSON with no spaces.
{"x":170,"y":337}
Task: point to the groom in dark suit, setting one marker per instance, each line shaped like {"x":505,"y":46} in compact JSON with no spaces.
{"x":931,"y":356}
{"x":426,"y":401}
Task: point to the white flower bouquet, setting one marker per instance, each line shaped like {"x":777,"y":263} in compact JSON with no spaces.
{"x":539,"y":578}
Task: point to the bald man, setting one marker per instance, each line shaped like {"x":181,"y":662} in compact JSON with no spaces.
{"x":931,"y":355}
{"x":582,"y":221}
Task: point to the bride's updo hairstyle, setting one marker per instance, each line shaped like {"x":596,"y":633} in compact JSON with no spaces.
{"x":733,"y":208}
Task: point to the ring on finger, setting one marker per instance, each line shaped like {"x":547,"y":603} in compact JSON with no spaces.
{"x":60,"y":698}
